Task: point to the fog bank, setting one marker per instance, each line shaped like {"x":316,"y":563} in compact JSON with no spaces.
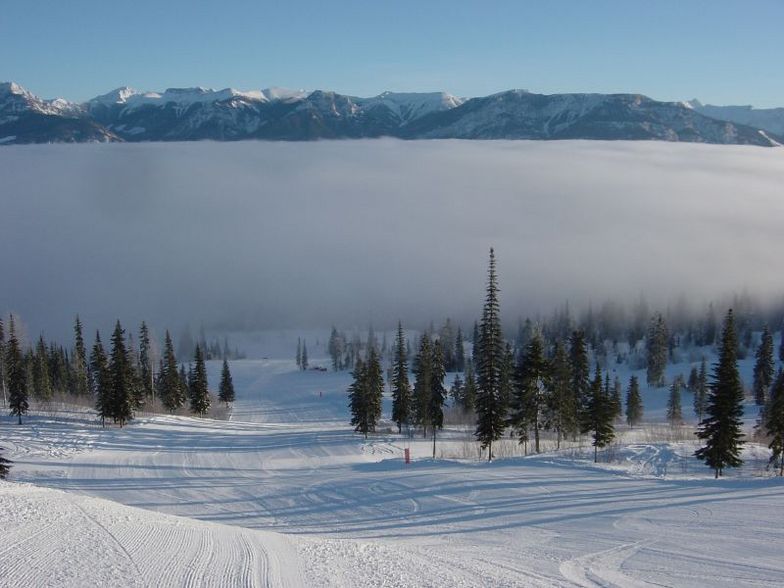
{"x":258,"y":235}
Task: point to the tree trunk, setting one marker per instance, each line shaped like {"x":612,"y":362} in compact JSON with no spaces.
{"x":434,"y":442}
{"x":490,"y":451}
{"x":595,"y":454}
{"x":536,"y":438}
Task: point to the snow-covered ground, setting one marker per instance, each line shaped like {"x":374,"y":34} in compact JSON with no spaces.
{"x":284,"y":493}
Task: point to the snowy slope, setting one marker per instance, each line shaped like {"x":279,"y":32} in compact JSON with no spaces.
{"x":54,"y":538}
{"x":358,"y":516}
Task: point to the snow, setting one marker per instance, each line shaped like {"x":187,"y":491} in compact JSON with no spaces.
{"x":55,"y":538}
{"x":171,"y":496}
{"x":408,"y":106}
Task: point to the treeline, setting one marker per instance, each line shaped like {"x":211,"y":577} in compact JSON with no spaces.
{"x":119,"y":380}
{"x":214,"y":349}
{"x":546,"y":380}
{"x":344,"y":351}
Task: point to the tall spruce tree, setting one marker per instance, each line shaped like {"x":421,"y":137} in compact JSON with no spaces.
{"x":100,"y":378}
{"x":581,"y":376}
{"x":617,"y":398}
{"x":601,"y":416}
{"x":197,"y":385}
{"x":226,"y":389}
{"x":657,"y":351}
{"x":146,"y":371}
{"x":374,"y":380}
{"x":532,"y":382}
{"x":122,"y":378}
{"x":435,"y":410}
{"x":562,"y":406}
{"x":172,"y":390}
{"x":721,"y":430}
{"x":634,"y":409}
{"x":774,"y":422}
{"x":489,"y":357}
{"x":674,"y":410}
{"x":81,"y":380}
{"x":763,"y":368}
{"x":304,"y":359}
{"x":358,"y":399}
{"x":459,"y":351}
{"x":299,"y":353}
{"x":42,"y":384}
{"x":17,"y":375}
{"x":423,"y":374}
{"x":3,"y":375}
{"x":401,"y":389}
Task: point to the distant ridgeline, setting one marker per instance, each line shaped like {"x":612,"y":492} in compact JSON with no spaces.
{"x":190,"y":114}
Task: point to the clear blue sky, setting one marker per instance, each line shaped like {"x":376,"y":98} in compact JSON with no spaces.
{"x":720,"y":51}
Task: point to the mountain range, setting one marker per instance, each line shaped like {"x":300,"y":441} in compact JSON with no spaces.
{"x":188,"y":114}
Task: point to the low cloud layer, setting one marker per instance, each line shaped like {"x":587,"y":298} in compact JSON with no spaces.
{"x":249,"y":235}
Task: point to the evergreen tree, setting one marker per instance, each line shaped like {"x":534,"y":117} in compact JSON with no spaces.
{"x":601,"y":415}
{"x":774,"y":422}
{"x":365,"y":393}
{"x":581,"y":376}
{"x":358,"y":399}
{"x":469,"y":388}
{"x":457,"y":390}
{"x":781,"y":344}
{"x":299,"y":353}
{"x":423,"y":371}
{"x":172,"y":389}
{"x":721,"y":430}
{"x":5,"y":466}
{"x":693,"y":382}
{"x":617,"y":396}
{"x":489,"y":357}
{"x":763,"y":368}
{"x":146,"y":362}
{"x":304,"y":359}
{"x":634,"y":409}
{"x":657,"y":349}
{"x":101,"y":380}
{"x":3,"y":374}
{"x":435,"y":410}
{"x":198,"y":388}
{"x":122,"y":378}
{"x":459,"y":351}
{"x":79,"y":358}
{"x":674,"y":411}
{"x":335,"y":348}
{"x":401,"y":389}
{"x":562,"y":407}
{"x":701,"y":391}
{"x":41,"y":383}
{"x":226,"y":394}
{"x":17,"y":375}
{"x":530,"y":399}
{"x":375,"y":385}
{"x":184,"y":382}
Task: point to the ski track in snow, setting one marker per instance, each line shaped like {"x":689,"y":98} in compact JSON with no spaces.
{"x":284,"y":494}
